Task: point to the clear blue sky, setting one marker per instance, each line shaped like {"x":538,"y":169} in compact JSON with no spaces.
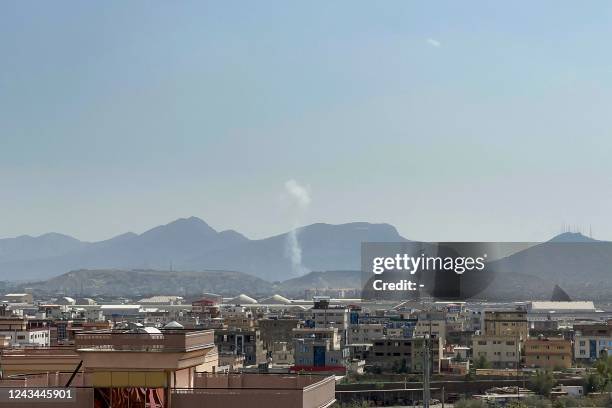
{"x":451,"y":120}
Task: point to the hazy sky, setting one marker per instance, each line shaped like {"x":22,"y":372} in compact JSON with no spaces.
{"x":451,"y":120}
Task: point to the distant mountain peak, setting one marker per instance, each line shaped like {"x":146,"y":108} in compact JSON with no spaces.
{"x":572,"y":237}
{"x":189,"y":221}
{"x":183,"y":225}
{"x":559,"y":295}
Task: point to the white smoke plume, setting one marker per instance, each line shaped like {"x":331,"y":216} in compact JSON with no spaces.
{"x":300,"y":199}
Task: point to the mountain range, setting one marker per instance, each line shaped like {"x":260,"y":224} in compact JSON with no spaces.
{"x":191,"y":244}
{"x":330,"y":258}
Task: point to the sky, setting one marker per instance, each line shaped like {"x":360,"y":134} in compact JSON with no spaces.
{"x":464,"y":121}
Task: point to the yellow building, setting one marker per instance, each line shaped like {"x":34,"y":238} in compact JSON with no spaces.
{"x":548,"y":353}
{"x":499,"y":351}
{"x":511,"y":323}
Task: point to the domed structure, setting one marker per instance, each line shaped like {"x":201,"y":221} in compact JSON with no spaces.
{"x":174,"y":325}
{"x":243,"y":299}
{"x":275,"y":300}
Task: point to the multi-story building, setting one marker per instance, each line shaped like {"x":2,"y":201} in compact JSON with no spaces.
{"x":21,"y":334}
{"x":404,"y":354}
{"x":400,"y":326}
{"x":319,"y":349}
{"x":511,"y":323}
{"x":592,"y":340}
{"x":156,"y":368}
{"x":499,"y":351}
{"x":282,"y":354}
{"x":277,"y":330}
{"x":432,"y":324}
{"x":551,"y":353}
{"x":205,"y":309}
{"x":238,"y":317}
{"x":18,"y":298}
{"x":365,"y":333}
{"x":241,"y":342}
{"x":552,"y":314}
{"x":323,"y":315}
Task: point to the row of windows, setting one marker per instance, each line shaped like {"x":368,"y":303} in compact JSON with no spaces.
{"x":484,"y":342}
{"x":602,"y":343}
{"x":497,"y":353}
{"x":536,"y":347}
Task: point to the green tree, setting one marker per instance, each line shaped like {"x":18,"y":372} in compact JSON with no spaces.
{"x":601,"y":379}
{"x":543,"y":382}
{"x":593,"y":383}
{"x":481,"y":362}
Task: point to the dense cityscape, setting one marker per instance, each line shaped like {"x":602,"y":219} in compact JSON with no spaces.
{"x":312,"y":352}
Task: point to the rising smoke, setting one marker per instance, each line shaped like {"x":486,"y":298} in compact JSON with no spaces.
{"x":300,"y":200}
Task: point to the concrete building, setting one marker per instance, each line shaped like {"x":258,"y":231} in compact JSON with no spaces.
{"x":506,"y":323}
{"x":277,"y":330}
{"x":238,"y":317}
{"x":324,"y":315}
{"x":432,"y":324}
{"x":18,"y":298}
{"x":549,"y":353}
{"x":499,"y":351}
{"x":205,"y":309}
{"x":20,"y":334}
{"x":282,"y":353}
{"x":551,"y":315}
{"x":404,"y":354}
{"x":241,"y":342}
{"x":592,"y":340}
{"x":149,"y":367}
{"x":28,"y":360}
{"x":230,"y":363}
{"x":319,"y":349}
{"x":161,"y":300}
{"x":366,"y":333}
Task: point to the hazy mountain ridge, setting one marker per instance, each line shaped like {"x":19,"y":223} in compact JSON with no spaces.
{"x":191,"y":244}
{"x":323,"y":247}
{"x":47,"y":245}
{"x":152,"y":282}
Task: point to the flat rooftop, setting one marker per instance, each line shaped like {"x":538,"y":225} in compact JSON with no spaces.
{"x":183,"y":340}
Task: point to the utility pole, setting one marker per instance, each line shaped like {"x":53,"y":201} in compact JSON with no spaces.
{"x":426,"y":368}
